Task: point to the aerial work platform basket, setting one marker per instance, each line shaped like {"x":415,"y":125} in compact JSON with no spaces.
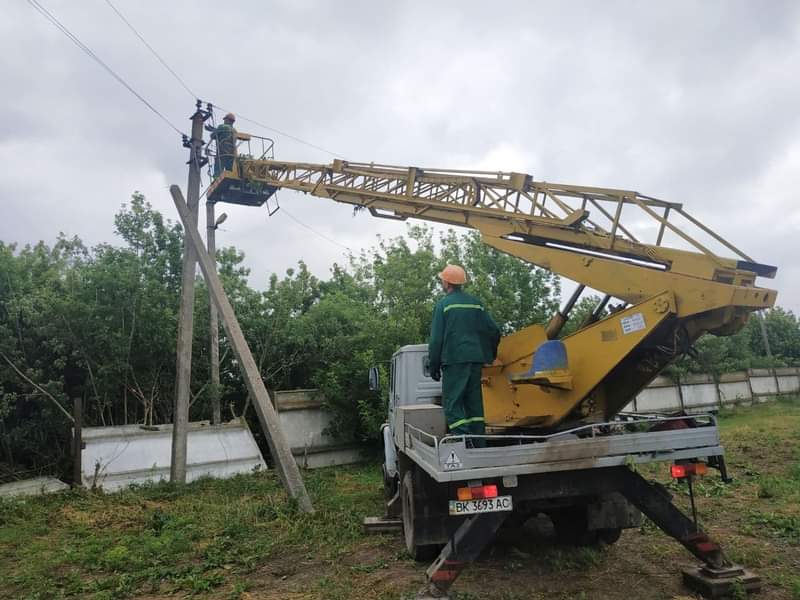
{"x":227,"y":184}
{"x":229,"y":187}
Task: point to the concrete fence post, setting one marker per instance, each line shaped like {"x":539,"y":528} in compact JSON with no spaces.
{"x":77,"y":442}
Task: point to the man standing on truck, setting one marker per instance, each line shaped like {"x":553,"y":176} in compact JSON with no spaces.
{"x":464,"y":337}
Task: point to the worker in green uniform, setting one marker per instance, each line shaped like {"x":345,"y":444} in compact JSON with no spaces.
{"x":464,"y":337}
{"x":225,"y":136}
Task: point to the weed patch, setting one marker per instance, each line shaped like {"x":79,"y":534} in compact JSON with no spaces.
{"x":780,"y":526}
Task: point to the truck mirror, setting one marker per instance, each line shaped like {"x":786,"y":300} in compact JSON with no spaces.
{"x":374,"y":379}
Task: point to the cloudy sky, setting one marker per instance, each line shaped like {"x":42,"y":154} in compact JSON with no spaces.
{"x":695,"y":102}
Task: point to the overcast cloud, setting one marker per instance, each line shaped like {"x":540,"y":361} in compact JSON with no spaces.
{"x":695,"y":102}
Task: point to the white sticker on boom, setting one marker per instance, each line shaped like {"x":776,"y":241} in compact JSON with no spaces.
{"x":631,"y":323}
{"x":453,"y":462}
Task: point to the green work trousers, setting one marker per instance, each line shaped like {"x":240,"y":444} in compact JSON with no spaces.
{"x":223,"y":163}
{"x":462,"y":399}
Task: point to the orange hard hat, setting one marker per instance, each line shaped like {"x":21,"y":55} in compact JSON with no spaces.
{"x":454,"y":275}
{"x":229,"y":117}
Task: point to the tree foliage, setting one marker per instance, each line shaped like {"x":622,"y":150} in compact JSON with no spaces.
{"x":109,"y":314}
{"x":745,"y":349}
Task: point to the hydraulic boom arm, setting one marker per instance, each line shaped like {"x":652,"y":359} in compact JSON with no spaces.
{"x":673,"y":295}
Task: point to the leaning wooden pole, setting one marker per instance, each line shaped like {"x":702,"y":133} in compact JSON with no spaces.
{"x":281,"y":452}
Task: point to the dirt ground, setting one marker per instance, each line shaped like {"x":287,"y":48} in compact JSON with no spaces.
{"x":640,"y":566}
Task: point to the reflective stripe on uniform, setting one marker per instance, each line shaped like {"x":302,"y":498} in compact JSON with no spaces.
{"x":475,"y":306}
{"x":461,"y":422}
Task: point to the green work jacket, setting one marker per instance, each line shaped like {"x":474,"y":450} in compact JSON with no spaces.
{"x":225,"y":135}
{"x":462,"y":332}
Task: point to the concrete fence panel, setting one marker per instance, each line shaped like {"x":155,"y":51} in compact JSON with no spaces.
{"x":662,"y":395}
{"x":788,"y":380}
{"x":699,"y":393}
{"x":115,"y":457}
{"x":306,"y":423}
{"x":763,"y":383}
{"x":702,"y":393}
{"x":734,"y":388}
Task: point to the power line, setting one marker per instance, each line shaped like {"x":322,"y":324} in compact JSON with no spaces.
{"x":283,"y":133}
{"x":75,"y":40}
{"x":88,"y":51}
{"x":188,"y":89}
{"x":312,"y":230}
{"x":152,"y":50}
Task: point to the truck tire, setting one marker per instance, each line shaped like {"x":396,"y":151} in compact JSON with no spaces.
{"x":418,"y":552}
{"x":571,"y":526}
{"x":609,"y":536}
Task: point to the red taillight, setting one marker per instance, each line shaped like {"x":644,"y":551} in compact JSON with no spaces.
{"x":682,"y":471}
{"x":477,"y":492}
{"x":490,"y":491}
{"x":678,"y":471}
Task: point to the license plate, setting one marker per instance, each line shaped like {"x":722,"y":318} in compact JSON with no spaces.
{"x":485,"y":505}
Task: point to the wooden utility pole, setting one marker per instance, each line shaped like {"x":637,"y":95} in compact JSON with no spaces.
{"x":270,"y":423}
{"x":213,"y":319}
{"x":183,"y":371}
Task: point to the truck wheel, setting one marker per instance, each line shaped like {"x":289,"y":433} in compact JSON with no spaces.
{"x":609,"y":536}
{"x":418,"y":552}
{"x":571,"y":526}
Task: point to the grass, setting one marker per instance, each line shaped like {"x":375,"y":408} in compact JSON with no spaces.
{"x":758,"y":515}
{"x":167,"y":539}
{"x":241,"y":538}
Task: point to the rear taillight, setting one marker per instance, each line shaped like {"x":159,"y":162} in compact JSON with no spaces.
{"x":477,"y":492}
{"x":685,"y":470}
{"x":678,"y":471}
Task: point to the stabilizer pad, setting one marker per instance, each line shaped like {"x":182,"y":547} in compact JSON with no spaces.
{"x":720,"y":583}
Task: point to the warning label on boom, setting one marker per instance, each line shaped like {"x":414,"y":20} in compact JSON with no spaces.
{"x":631,"y":323}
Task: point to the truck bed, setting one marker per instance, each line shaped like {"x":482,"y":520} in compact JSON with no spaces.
{"x":447,"y":458}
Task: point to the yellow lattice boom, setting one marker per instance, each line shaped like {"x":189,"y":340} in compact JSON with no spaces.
{"x":671,"y":295}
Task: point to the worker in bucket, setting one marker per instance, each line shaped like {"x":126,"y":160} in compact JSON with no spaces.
{"x":464,"y":337}
{"x":225,"y":136}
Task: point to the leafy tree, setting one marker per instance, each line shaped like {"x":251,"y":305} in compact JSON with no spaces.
{"x":783,"y":332}
{"x":745,"y":349}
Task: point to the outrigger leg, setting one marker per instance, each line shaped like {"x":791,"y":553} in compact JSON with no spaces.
{"x":467,"y":542}
{"x":717,"y":576}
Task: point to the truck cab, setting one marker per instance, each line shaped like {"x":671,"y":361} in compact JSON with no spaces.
{"x":410,"y":380}
{"x":410,"y":384}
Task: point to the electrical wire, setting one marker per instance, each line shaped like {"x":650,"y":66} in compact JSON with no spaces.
{"x":188,"y":89}
{"x":152,"y":50}
{"x":180,"y":80}
{"x":75,"y":40}
{"x":312,"y":230}
{"x":279,"y":132}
